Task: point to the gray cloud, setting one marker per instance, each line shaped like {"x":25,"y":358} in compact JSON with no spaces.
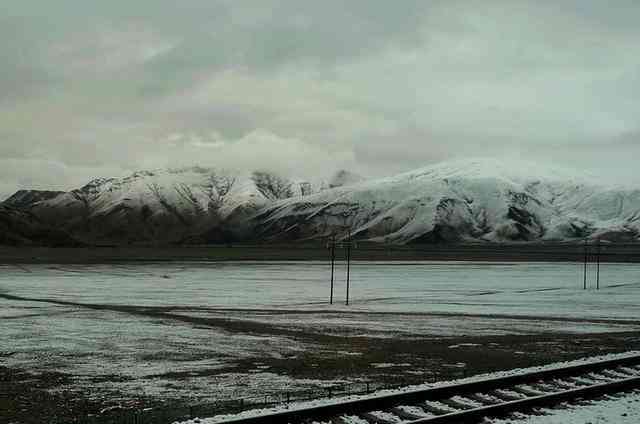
{"x":101,"y":88}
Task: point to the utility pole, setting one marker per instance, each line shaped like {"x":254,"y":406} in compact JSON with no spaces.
{"x":598,"y":265}
{"x":348,"y":264}
{"x":347,"y":245}
{"x":586,"y":258}
{"x":333,"y":263}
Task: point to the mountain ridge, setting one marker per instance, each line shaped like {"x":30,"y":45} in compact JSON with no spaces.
{"x":464,"y":200}
{"x":458,"y":201}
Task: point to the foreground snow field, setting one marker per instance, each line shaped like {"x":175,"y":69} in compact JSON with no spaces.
{"x":208,"y":331}
{"x":611,"y":410}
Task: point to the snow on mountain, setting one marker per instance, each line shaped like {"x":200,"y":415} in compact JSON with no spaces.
{"x":167,"y":205}
{"x":462,"y":200}
{"x":454,"y":201}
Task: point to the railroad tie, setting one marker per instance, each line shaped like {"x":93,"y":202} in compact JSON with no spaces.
{"x":405,"y":415}
{"x":456,"y":405}
{"x":481,"y":399}
{"x":434,"y":409}
{"x":529,"y":392}
{"x":500,"y":394}
{"x":374,"y":419}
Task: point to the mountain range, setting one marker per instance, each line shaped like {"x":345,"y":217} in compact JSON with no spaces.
{"x":458,"y":201}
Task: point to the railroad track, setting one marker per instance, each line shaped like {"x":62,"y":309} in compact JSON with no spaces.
{"x":472,"y":402}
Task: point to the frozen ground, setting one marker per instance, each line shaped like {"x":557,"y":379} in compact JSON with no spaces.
{"x":207,"y":331}
{"x":536,"y":289}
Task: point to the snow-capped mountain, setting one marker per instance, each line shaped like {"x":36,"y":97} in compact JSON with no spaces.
{"x":462,"y":200}
{"x":197,"y":204}
{"x":455,"y":201}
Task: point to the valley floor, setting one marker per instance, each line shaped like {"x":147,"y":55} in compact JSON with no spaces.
{"x":76,"y":338}
{"x":32,"y":395}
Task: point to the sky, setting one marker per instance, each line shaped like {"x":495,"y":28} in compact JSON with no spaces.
{"x":307,"y":87}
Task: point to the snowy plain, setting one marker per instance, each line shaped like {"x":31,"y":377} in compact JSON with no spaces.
{"x":123,"y":348}
{"x":535,"y":289}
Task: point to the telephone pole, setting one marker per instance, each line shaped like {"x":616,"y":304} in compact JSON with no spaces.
{"x":333,"y":264}
{"x":586,"y":259}
{"x":598,"y":265}
{"x":348,"y":265}
{"x":347,"y":245}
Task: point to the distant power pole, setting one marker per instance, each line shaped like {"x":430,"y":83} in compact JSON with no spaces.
{"x":333,"y":263}
{"x":592,"y":255}
{"x":347,"y":245}
{"x":586,"y":259}
{"x":348,"y":265}
{"x":598,"y":265}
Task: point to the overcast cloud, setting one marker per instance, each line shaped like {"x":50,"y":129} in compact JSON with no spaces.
{"x":92,"y":89}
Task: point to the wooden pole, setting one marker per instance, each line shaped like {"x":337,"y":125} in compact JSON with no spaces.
{"x":598,"y":266}
{"x":333,"y":263}
{"x":586,"y":258}
{"x":348,"y":265}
